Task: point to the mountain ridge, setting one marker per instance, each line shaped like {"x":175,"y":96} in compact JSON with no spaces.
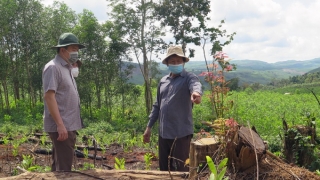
{"x":250,"y":71}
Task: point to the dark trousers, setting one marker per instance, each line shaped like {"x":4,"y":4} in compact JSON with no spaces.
{"x":179,"y":153}
{"x":62,"y":151}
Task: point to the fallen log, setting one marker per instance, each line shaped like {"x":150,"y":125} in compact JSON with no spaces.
{"x":101,"y":174}
{"x":91,"y":156}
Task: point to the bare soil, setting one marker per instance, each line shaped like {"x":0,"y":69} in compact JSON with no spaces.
{"x":134,"y":158}
{"x":268,"y":169}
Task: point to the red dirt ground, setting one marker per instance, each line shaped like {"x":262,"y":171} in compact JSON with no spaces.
{"x":269,"y":168}
{"x":134,"y":159}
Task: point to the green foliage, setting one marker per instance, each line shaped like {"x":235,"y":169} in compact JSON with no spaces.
{"x":86,"y":153}
{"x":274,"y":144}
{"x":249,"y":91}
{"x":15,"y":145}
{"x":5,"y":141}
{"x":97,"y":128}
{"x":7,"y":128}
{"x":119,"y":163}
{"x":148,"y":160}
{"x":28,"y":164}
{"x":183,"y":27}
{"x":217,"y":173}
{"x":87,"y":166}
{"x":15,"y":172}
{"x":43,"y":140}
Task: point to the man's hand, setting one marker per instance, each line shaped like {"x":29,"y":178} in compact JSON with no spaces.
{"x":146,"y":135}
{"x":196,"y":97}
{"x":63,"y":133}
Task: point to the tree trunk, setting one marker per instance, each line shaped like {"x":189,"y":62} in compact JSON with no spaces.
{"x":294,"y":150}
{"x":31,"y":92}
{"x":1,"y":99}
{"x":6,"y":95}
{"x":148,"y":96}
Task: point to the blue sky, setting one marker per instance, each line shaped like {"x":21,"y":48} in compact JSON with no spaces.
{"x":267,"y":30}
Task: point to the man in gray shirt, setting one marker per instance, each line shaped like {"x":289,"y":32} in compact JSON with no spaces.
{"x":176,"y":94}
{"x":61,"y":102}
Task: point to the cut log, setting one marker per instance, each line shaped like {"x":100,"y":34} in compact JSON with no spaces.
{"x":198,"y":152}
{"x":245,"y":150}
{"x":95,"y":174}
{"x":252,"y":139}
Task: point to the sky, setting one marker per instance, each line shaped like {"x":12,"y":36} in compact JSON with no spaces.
{"x":266,"y":30}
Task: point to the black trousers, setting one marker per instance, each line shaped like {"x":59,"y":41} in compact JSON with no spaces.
{"x":179,"y":153}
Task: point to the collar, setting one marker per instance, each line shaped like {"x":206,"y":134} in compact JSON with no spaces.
{"x":61,"y":61}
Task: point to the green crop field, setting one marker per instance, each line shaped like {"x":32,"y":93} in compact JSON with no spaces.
{"x":263,"y":109}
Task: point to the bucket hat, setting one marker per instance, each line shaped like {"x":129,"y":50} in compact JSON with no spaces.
{"x":67,"y":39}
{"x":174,"y":50}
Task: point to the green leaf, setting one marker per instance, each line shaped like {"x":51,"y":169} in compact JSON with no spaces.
{"x":212,"y":177}
{"x":211,"y":165}
{"x":32,"y":168}
{"x":222,"y":173}
{"x":117,"y":160}
{"x":223,"y":163}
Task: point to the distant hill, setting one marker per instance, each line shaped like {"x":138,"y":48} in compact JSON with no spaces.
{"x":249,"y":71}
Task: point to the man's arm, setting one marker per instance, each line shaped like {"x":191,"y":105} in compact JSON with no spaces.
{"x":52,"y":105}
{"x":196,"y":88}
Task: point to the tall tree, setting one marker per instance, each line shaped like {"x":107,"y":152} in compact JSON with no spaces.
{"x":136,"y":19}
{"x":184,"y":18}
{"x":7,"y":11}
{"x":118,"y":65}
{"x":30,"y":13}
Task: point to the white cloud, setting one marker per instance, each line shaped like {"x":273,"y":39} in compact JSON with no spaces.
{"x":98,"y":7}
{"x":268,"y":30}
{"x":271,"y":30}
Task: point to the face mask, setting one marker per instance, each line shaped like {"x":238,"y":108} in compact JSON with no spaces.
{"x":75,"y":72}
{"x":73,"y":57}
{"x":176,"y":69}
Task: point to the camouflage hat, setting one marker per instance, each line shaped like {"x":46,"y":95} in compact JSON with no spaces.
{"x":67,"y":39}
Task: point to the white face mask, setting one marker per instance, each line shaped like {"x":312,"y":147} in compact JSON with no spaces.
{"x":75,"y":71}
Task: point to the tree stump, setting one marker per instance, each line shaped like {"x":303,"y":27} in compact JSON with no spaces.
{"x":198,"y":151}
{"x":297,"y":145}
{"x":245,"y":150}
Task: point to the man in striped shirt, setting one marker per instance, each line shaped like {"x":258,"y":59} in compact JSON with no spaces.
{"x":176,"y":94}
{"x":61,"y":102}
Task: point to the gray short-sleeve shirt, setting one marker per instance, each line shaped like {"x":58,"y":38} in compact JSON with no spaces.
{"x":57,"y":76}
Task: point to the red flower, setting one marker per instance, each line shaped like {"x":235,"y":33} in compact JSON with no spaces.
{"x":220,"y":55}
{"x":206,"y":74}
{"x":203,"y":74}
{"x":231,"y":123}
{"x":229,"y":68}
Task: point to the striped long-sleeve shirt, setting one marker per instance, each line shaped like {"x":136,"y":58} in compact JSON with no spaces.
{"x":173,"y":106}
